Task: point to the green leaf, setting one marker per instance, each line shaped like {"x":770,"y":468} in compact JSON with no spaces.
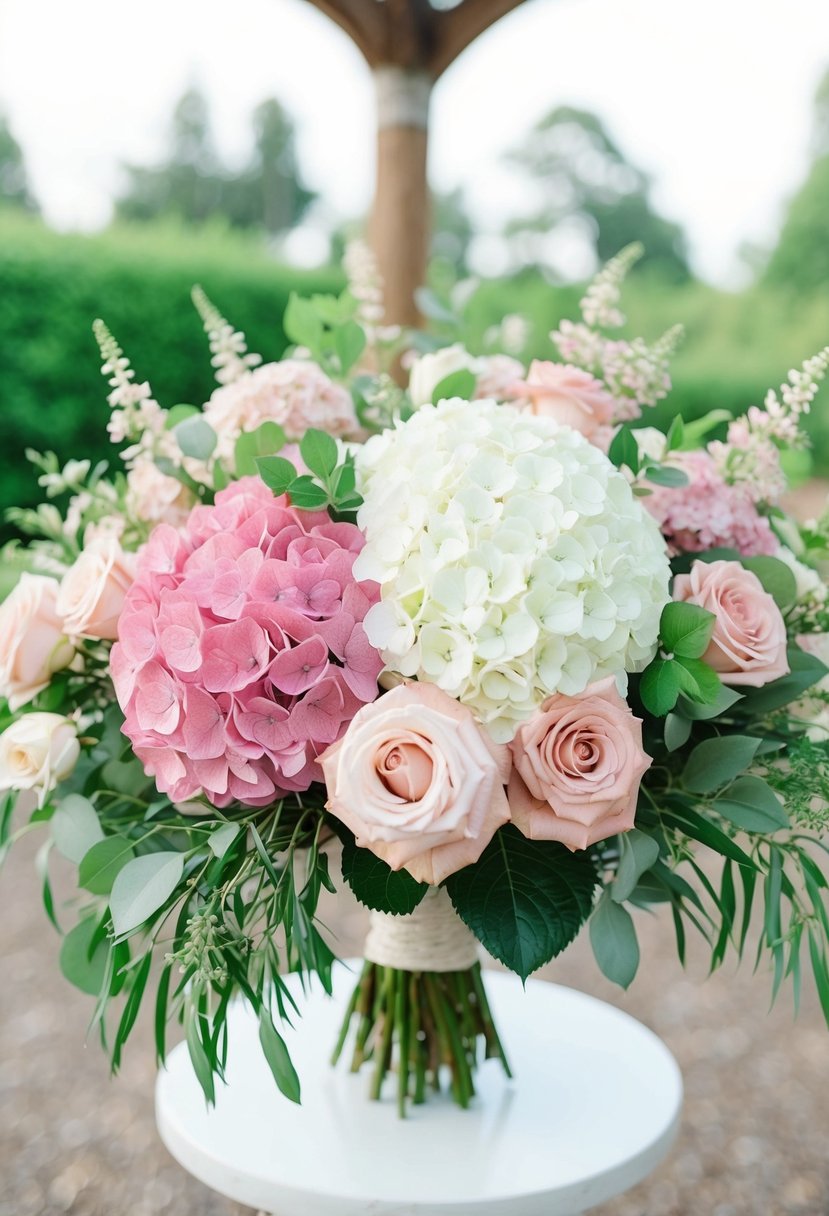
{"x":659,"y":687}
{"x":638,"y":853}
{"x":613,"y":938}
{"x":196,"y":437}
{"x":177,"y":414}
{"x":319,"y":452}
{"x":751,"y":804}
{"x":302,"y":323}
{"x":75,"y":827}
{"x":350,"y":342}
{"x":376,"y":885}
{"x":777,"y":579}
{"x":715,"y":762}
{"x":685,"y":629}
{"x":198,"y":1058}
{"x":276,"y":472}
{"x":695,"y":432}
{"x":103,"y":863}
{"x":83,"y":956}
{"x":142,"y":887}
{"x":624,"y":450}
{"x":223,"y":837}
{"x":434,"y":308}
{"x":677,"y":731}
{"x":266,"y":440}
{"x":806,"y":670}
{"x":725,"y":700}
{"x":666,"y":475}
{"x":697,"y":680}
{"x":278,"y":1057}
{"x":306,"y":494}
{"x":137,"y":983}
{"x":457,"y":384}
{"x":525,"y":900}
{"x":676,"y":434}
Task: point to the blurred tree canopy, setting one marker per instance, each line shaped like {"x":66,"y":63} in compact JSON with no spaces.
{"x":583,"y":179}
{"x":801,"y":257}
{"x":192,"y":184}
{"x":14,"y":181}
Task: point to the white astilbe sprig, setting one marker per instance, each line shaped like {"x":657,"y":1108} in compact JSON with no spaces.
{"x":228,"y":347}
{"x":600,"y":306}
{"x":365,"y":283}
{"x":136,"y":417}
{"x":750,"y":455}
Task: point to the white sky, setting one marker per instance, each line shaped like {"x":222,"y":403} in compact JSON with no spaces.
{"x":712,"y":97}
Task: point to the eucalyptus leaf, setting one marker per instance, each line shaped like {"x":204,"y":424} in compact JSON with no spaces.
{"x":638,"y":853}
{"x":751,"y":804}
{"x":777,"y":578}
{"x":715,"y":762}
{"x":75,"y":827}
{"x":222,"y":838}
{"x":614,"y":942}
{"x":196,"y":437}
{"x":102,"y":864}
{"x":278,"y":1057}
{"x":142,"y":888}
{"x":83,"y":956}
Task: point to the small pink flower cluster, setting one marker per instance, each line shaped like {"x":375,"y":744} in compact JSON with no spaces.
{"x":242,"y":654}
{"x":708,"y":513}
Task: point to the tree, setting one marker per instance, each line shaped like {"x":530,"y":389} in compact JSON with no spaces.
{"x":586,"y":184}
{"x":193,"y":184}
{"x":14,"y":182}
{"x":801,"y":257}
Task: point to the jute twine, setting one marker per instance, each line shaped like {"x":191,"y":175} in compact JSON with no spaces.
{"x":432,"y":938}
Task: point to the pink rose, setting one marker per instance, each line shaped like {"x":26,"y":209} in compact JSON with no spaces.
{"x":92,"y":593}
{"x":418,"y":782}
{"x":33,"y":645}
{"x":567,"y":394}
{"x":577,"y":767}
{"x":748,"y":645}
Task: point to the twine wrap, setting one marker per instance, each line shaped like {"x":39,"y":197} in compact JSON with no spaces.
{"x":432,"y":938}
{"x":402,"y":97}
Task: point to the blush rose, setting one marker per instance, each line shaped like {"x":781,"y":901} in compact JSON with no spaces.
{"x":92,"y":592}
{"x":568,"y":395}
{"x":748,"y":645}
{"x":33,"y":643}
{"x":418,"y":782}
{"x":577,"y":764}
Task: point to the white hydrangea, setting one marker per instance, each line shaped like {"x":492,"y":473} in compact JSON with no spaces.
{"x":514,"y":559}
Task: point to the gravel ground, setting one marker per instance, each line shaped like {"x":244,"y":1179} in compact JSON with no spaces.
{"x":753,"y":1141}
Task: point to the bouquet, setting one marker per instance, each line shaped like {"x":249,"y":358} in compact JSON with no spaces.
{"x":517,"y":661}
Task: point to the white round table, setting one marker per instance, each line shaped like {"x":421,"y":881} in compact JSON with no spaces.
{"x":593,"y":1109}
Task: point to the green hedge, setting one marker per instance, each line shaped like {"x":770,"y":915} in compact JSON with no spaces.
{"x":52,"y":287}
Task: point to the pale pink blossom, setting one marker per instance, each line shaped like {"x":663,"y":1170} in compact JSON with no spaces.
{"x":567,"y":394}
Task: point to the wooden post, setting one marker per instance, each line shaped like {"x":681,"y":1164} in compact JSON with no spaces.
{"x":408,"y":44}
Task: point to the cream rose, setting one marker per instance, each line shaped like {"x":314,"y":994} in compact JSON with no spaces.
{"x":92,"y":593}
{"x":429,"y":370}
{"x":37,"y":751}
{"x":33,"y":642}
{"x":418,"y":782}
{"x":156,"y":498}
{"x":748,"y":645}
{"x":577,"y":767}
{"x":567,"y":394}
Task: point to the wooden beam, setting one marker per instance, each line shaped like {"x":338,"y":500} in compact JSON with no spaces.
{"x":456,"y":28}
{"x":362,"y":20}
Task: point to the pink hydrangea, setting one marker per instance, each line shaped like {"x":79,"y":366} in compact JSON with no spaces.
{"x":242,"y":654}
{"x":708,"y":513}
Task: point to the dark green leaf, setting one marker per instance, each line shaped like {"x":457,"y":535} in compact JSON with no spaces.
{"x":525,"y":900}
{"x":613,"y":938}
{"x":162,"y":994}
{"x":376,"y":885}
{"x":777,"y":578}
{"x":685,"y":629}
{"x":638,"y":853}
{"x":319,"y":452}
{"x":725,"y":700}
{"x":266,"y":440}
{"x":42,"y":866}
{"x":806,"y":670}
{"x":276,"y":472}
{"x":137,"y":984}
{"x":698,"y":681}
{"x":457,"y":384}
{"x":199,"y":1059}
{"x":196,"y":438}
{"x":624,"y":450}
{"x":278,"y":1057}
{"x":102,"y":864}
{"x":751,"y":804}
{"x":659,"y":687}
{"x":715,"y":762}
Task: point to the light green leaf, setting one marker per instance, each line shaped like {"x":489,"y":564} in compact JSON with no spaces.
{"x":278,"y":1057}
{"x":624,"y":450}
{"x":319,"y":452}
{"x":666,"y":475}
{"x":677,"y":731}
{"x":697,"y":680}
{"x":178,"y":413}
{"x":306,"y":494}
{"x":102,"y":864}
{"x":276,"y":472}
{"x":715,"y":762}
{"x":266,"y":440}
{"x":638,"y":853}
{"x":350,"y":342}
{"x":457,"y":384}
{"x":685,"y":629}
{"x":695,"y":432}
{"x":196,"y":437}
{"x":751,"y":804}
{"x":613,"y":938}
{"x":659,"y":687}
{"x":777,"y":579}
{"x":142,"y":887}
{"x":725,"y":700}
{"x":83,"y":956}
{"x":223,"y":837}
{"x":75,"y":827}
{"x":525,"y":900}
